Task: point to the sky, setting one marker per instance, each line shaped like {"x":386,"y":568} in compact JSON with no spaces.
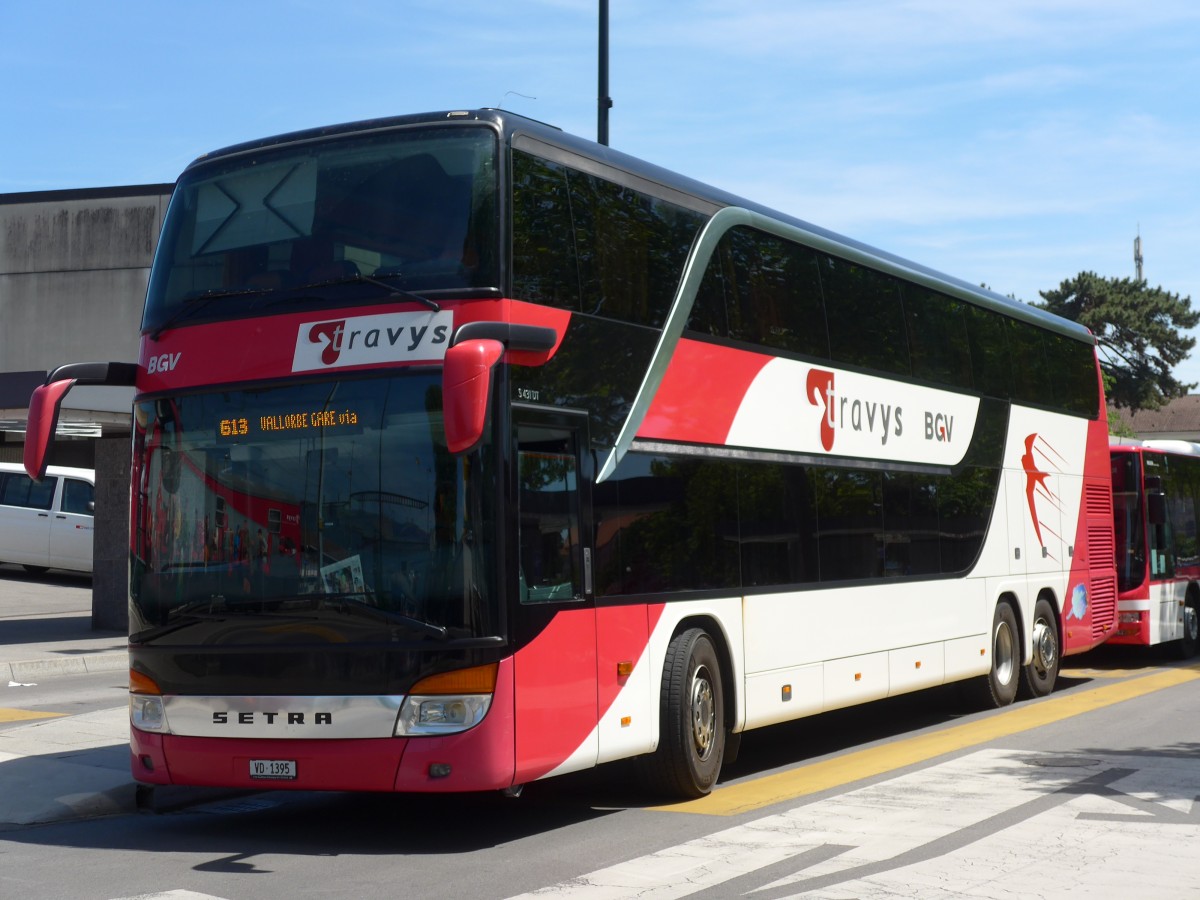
{"x":1011,"y":143}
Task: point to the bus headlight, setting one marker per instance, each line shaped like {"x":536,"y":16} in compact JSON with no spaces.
{"x":442,"y":714}
{"x":447,"y":702}
{"x":146,"y":712}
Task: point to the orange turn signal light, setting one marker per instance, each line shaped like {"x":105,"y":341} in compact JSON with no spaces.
{"x":476,"y":680}
{"x":140,"y":683}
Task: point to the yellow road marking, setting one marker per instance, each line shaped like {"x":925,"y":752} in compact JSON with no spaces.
{"x":809,"y":779}
{"x":20,"y":715}
{"x":1105,"y":673}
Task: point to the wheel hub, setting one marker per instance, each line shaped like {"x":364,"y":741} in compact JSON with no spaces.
{"x":703,"y":713}
{"x":1005,"y":660}
{"x":1044,"y":650}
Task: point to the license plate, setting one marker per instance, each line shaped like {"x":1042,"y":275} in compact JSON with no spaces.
{"x":273,"y":769}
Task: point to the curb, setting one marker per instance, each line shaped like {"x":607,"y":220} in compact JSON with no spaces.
{"x":90,"y":663}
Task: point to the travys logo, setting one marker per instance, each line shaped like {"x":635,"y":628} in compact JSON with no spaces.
{"x":798,"y":408}
{"x":372,"y":340}
{"x":821,"y":392}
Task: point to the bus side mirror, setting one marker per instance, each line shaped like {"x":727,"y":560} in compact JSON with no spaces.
{"x":466,"y":387}
{"x":47,"y":400}
{"x":1156,"y":508}
{"x":44,"y":406}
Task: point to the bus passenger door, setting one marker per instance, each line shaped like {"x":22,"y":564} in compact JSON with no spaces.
{"x":1163,"y":584}
{"x":555,"y":626}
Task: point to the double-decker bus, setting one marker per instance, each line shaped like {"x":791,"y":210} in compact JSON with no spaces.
{"x":467,"y":452}
{"x":1156,"y":505}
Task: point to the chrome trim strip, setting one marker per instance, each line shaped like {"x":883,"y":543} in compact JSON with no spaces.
{"x":327,"y":718}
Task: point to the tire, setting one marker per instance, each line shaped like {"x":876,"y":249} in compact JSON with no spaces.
{"x":36,"y":570}
{"x":999,"y":687}
{"x":1188,"y":645}
{"x":691,"y":743}
{"x":1039,"y":676}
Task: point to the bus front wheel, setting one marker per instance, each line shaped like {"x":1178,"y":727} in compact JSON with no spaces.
{"x":691,"y":744}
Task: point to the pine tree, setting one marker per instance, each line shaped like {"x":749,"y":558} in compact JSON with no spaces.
{"x":1141,"y":333}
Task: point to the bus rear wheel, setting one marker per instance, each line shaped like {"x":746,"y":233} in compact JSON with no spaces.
{"x":1041,"y":673}
{"x":691,"y":744}
{"x":999,"y":686}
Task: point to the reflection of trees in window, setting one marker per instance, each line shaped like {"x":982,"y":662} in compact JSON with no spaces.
{"x":765,"y":291}
{"x":1030,"y":383}
{"x":778,"y":516}
{"x":544,"y":269}
{"x":866,"y":319}
{"x":965,"y":503}
{"x":937,"y":333}
{"x":911,"y":542}
{"x":1183,"y":497}
{"x":549,"y":527}
{"x":631,"y":249}
{"x":850,"y":523}
{"x":1128,"y":519}
{"x":685,"y":524}
{"x":588,"y":244}
{"x":674,"y":528}
{"x":598,"y":367}
{"x":1071,"y":372}
{"x":987,"y":335}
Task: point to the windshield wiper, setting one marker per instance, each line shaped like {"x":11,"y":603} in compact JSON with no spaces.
{"x":360,"y":278}
{"x":346,"y":602}
{"x":218,"y":607}
{"x":189,"y":305}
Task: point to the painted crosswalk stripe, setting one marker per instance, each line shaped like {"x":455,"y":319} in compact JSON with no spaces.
{"x":976,"y":826}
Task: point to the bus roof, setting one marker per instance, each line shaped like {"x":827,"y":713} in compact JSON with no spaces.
{"x":511,"y":124}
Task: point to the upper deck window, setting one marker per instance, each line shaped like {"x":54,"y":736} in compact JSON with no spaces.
{"x":584,"y":243}
{"x":415,"y":207}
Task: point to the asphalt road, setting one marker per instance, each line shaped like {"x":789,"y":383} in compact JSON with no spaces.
{"x":1088,"y":793}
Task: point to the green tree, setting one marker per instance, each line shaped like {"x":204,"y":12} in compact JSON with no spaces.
{"x":1140,"y":331}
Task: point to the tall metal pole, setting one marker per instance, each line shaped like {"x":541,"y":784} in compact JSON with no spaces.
{"x":605,"y":102}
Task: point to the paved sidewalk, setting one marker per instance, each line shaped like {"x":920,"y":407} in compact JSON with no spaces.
{"x":67,"y":767}
{"x":46,"y":628}
{"x":57,"y":644}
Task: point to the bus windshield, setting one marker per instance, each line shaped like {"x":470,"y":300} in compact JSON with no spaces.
{"x":417,"y":207}
{"x":333,"y":495}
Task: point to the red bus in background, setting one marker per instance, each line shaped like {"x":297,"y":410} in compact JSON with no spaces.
{"x":468,"y":453}
{"x":1156,"y":506}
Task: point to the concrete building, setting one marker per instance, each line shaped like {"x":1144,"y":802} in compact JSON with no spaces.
{"x":73,"y":272}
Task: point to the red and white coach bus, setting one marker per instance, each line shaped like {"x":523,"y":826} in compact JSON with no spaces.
{"x":1156,"y":504}
{"x":469,"y":453}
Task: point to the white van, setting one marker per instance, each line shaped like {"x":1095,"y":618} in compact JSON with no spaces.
{"x":47,"y":525}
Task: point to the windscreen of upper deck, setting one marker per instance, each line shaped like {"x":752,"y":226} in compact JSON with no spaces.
{"x":295,"y":223}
